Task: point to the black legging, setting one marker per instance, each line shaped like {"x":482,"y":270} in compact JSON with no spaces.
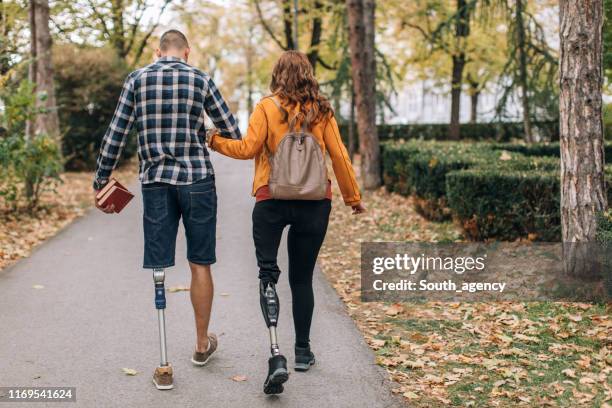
{"x":308,"y":224}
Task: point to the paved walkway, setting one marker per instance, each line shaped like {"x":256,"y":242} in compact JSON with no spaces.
{"x":95,"y":316}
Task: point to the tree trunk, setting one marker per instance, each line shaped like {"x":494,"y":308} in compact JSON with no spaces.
{"x":462,"y":31}
{"x":521,"y":45}
{"x":474,"y":107}
{"x":4,"y":45}
{"x":474,"y":97}
{"x":361,"y":15}
{"x":315,"y":39}
{"x":456,"y":81}
{"x":352,"y":140}
{"x":288,"y":24}
{"x":583,"y":191}
{"x":47,"y":122}
{"x":250,"y":52}
{"x":118,"y":33}
{"x":30,"y":129}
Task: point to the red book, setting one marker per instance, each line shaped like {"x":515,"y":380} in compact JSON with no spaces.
{"x":114,"y":193}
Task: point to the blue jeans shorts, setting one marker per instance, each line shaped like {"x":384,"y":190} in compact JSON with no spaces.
{"x":164,"y":205}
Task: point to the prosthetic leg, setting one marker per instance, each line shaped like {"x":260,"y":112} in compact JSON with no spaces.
{"x":277,"y":364}
{"x":163,"y":374}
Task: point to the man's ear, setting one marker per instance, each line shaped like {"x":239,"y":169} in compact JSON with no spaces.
{"x":187,"y":51}
{"x":158,"y":53}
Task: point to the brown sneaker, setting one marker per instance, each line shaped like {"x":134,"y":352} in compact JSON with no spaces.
{"x":163,"y":378}
{"x":200,"y":359}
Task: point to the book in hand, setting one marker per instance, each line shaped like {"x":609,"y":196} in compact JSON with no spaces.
{"x":114,"y":193}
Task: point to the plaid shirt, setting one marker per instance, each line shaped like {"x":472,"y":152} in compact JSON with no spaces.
{"x":166,"y":101}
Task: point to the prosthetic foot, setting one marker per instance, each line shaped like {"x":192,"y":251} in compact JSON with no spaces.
{"x":277,"y":364}
{"x":163,"y":374}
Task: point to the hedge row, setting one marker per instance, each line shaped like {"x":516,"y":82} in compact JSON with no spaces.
{"x":490,"y":191}
{"x":542,"y":149}
{"x":498,"y":131}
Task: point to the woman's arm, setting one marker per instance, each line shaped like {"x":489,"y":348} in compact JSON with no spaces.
{"x":251,"y":144}
{"x":341,"y":164}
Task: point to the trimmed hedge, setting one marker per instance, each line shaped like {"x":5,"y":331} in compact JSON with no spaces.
{"x":498,"y":131}
{"x":604,"y":227}
{"x":420,"y":169}
{"x":542,"y":149}
{"x":506,"y":205}
{"x":491,"y":191}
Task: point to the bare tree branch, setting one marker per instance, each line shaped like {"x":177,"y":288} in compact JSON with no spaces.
{"x":143,"y":43}
{"x":266,"y":27}
{"x":99,"y":16}
{"x":140,"y":10}
{"x":326,"y":65}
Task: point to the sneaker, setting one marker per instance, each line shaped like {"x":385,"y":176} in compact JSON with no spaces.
{"x":304,"y":358}
{"x":200,"y":359}
{"x":162,"y":378}
{"x":277,"y":375}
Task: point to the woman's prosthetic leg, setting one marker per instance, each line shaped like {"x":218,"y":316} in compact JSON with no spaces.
{"x":270,"y":308}
{"x":277,"y":364}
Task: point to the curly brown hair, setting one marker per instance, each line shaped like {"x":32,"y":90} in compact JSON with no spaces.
{"x":294,"y":82}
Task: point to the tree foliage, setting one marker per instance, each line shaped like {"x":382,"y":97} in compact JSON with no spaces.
{"x":122,"y":24}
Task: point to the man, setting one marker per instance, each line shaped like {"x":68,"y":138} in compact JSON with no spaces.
{"x":166,"y":102}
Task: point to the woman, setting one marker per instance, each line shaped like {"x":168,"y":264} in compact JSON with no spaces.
{"x":295,"y":98}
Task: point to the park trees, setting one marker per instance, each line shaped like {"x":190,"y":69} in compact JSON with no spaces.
{"x":445,"y":30}
{"x":361,"y":20}
{"x":583,"y":192}
{"x":41,"y":72}
{"x":313,"y":13}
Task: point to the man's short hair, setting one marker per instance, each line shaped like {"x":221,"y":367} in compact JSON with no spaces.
{"x":173,"y":39}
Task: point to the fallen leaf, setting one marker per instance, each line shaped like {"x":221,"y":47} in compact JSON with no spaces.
{"x":378,"y":342}
{"x":174,"y":289}
{"x":239,"y":378}
{"x":569,"y":372}
{"x":526,"y":338}
{"x":394,"y":309}
{"x":129,"y":371}
{"x":410,"y":395}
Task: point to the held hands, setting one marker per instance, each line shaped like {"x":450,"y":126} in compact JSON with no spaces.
{"x":358,"y":209}
{"x":209,"y":134}
{"x":109,"y":209}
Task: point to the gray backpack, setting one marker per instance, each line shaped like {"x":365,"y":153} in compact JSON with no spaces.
{"x":297,"y":168}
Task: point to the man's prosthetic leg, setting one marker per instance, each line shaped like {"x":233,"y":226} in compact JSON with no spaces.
{"x":277,"y":364}
{"x":163,"y":374}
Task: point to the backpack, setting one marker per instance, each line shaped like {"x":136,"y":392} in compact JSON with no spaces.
{"x":297,"y":168}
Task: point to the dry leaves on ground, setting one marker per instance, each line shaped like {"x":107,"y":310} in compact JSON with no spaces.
{"x":467,"y":354}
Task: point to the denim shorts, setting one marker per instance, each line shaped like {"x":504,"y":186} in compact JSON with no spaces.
{"x":164,"y":205}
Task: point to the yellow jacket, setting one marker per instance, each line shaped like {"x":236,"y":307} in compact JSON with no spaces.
{"x":266,"y":126}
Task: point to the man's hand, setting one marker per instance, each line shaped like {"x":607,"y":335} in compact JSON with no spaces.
{"x":109,"y":209}
{"x":358,"y":209}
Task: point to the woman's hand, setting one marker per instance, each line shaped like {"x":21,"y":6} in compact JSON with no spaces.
{"x":358,"y":209}
{"x":209,"y":135}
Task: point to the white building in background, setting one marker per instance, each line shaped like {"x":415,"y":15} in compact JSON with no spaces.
{"x":418,"y":103}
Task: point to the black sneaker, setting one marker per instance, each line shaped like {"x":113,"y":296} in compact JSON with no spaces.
{"x":277,"y":375}
{"x":304,"y":358}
